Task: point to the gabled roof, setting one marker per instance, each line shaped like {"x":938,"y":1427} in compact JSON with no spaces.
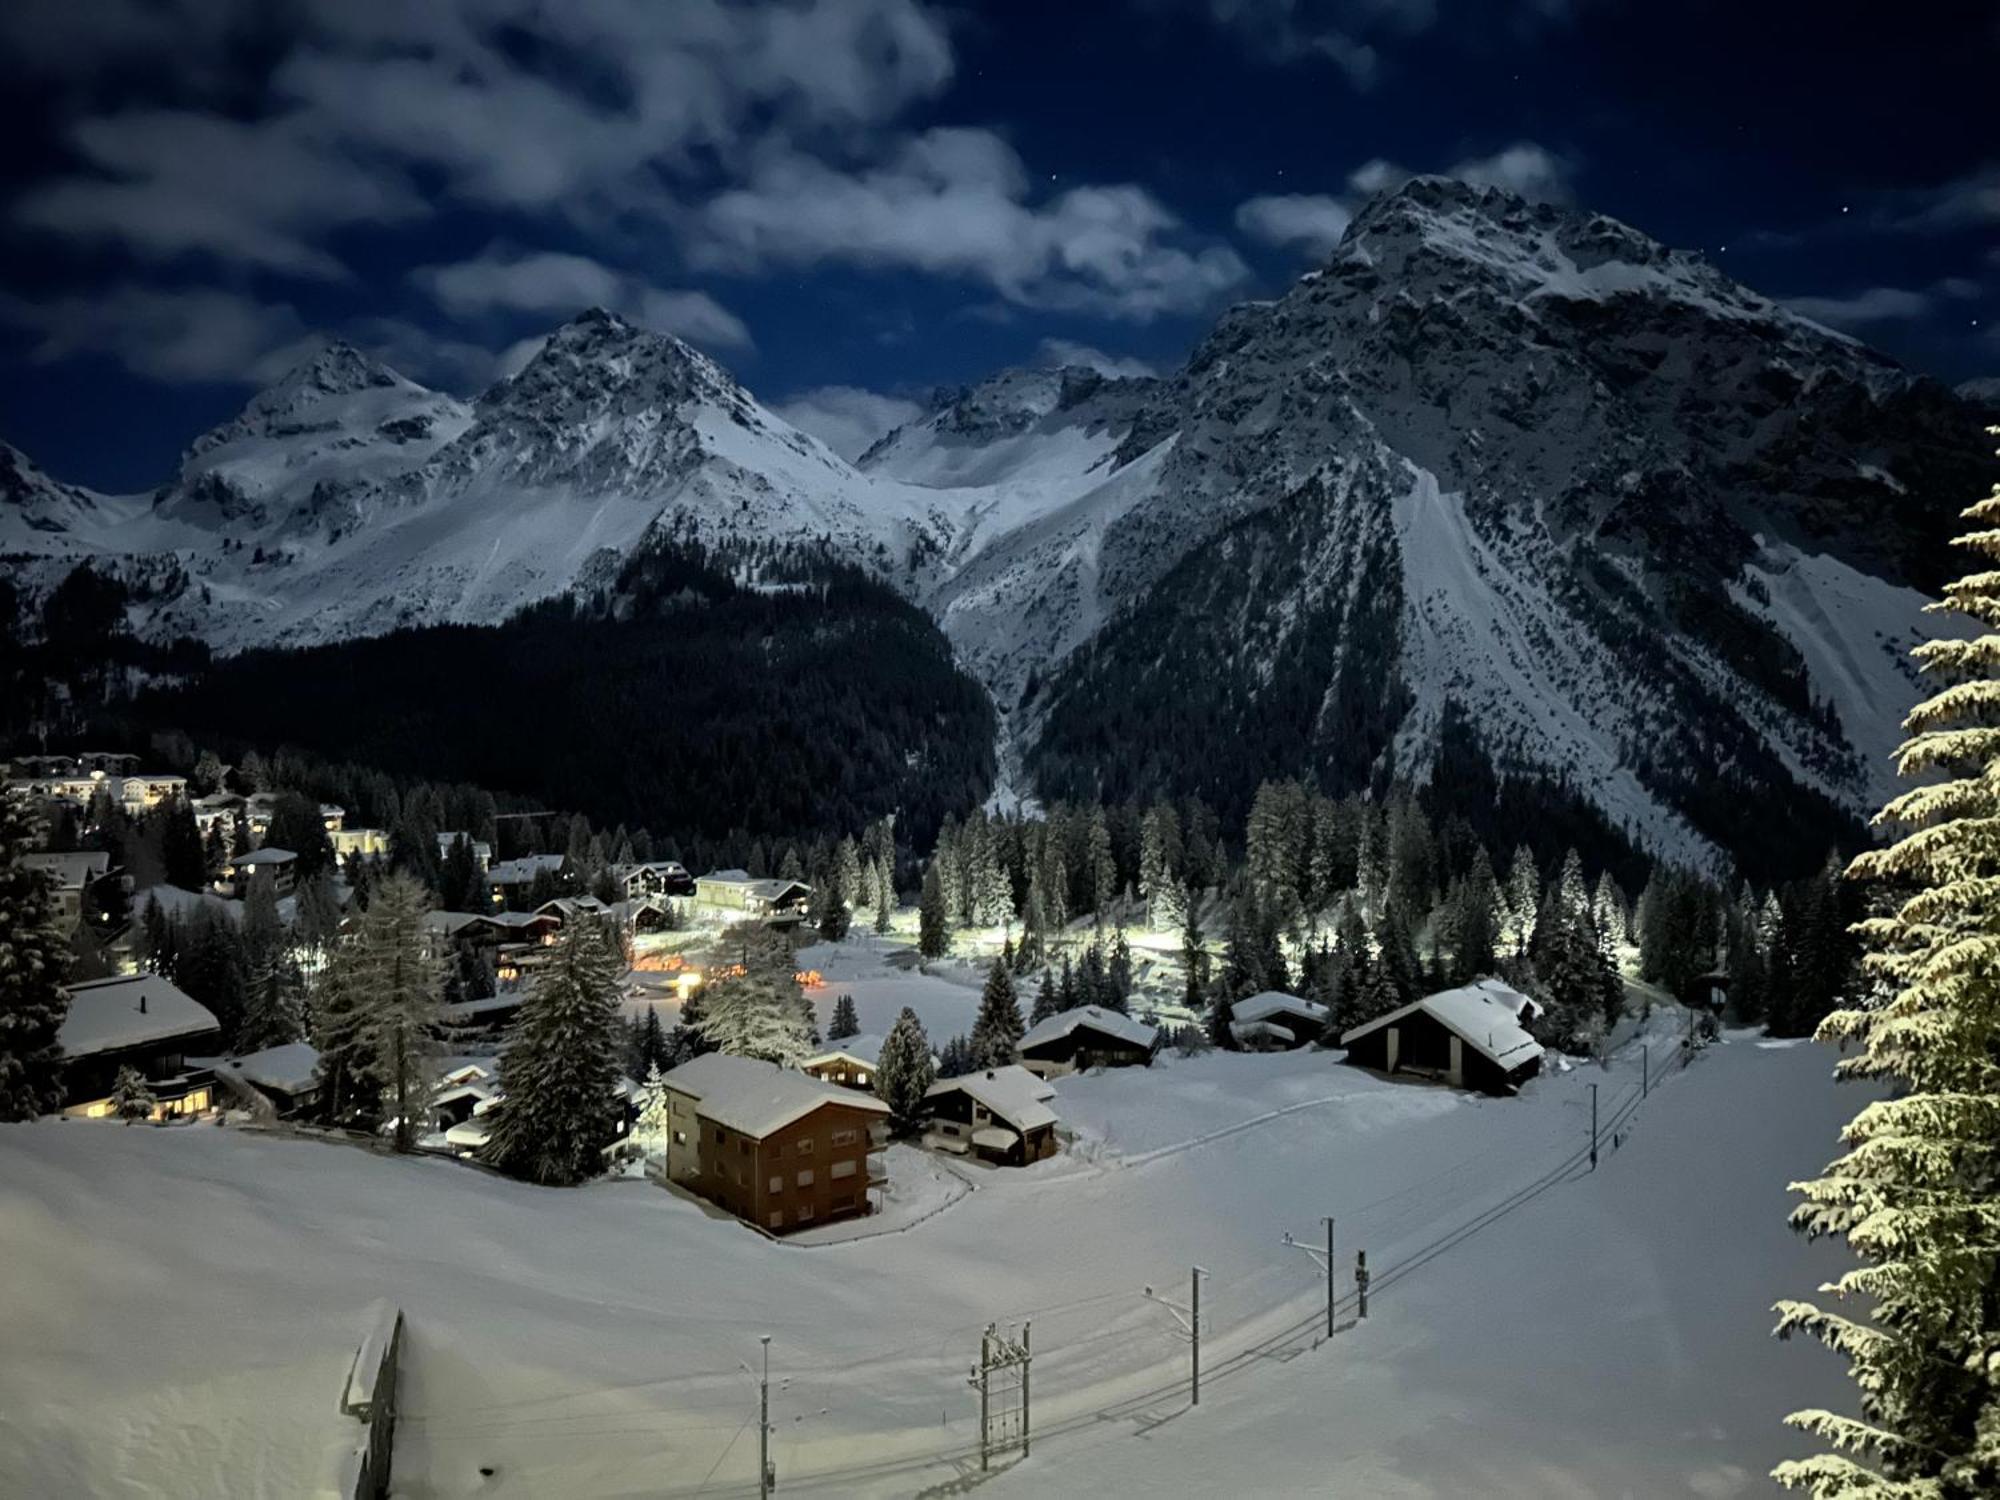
{"x":1094,"y":1017}
{"x":450,"y":923}
{"x":289,"y":1069}
{"x":108,"y":1015}
{"x":1484,"y":1015}
{"x":72,"y":872}
{"x":264,"y":856}
{"x":862,"y":1049}
{"x":1268,"y":1003}
{"x":523,"y":871}
{"x":756,"y":1098}
{"x":1012,"y":1093}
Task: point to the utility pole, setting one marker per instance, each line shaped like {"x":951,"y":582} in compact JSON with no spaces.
{"x":1361,"y":1281}
{"x":1593,"y":1127}
{"x":985,"y":1367}
{"x":1189,"y":1318}
{"x":1325,"y":1258}
{"x":1194,"y":1281}
{"x":764,"y":1424}
{"x":1027,"y":1363}
{"x":1645,"y":1071}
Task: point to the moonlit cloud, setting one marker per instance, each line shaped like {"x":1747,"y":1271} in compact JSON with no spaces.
{"x":1309,"y":222}
{"x":847,"y":418}
{"x":559,"y":284}
{"x":180,"y":336}
{"x":956,"y":202}
{"x":1876,"y":305}
{"x":1312,"y":223}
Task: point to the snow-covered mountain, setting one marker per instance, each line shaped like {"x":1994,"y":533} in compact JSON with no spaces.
{"x":1645,"y":528}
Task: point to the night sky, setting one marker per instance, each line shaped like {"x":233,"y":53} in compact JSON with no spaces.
{"x":850,"y":203}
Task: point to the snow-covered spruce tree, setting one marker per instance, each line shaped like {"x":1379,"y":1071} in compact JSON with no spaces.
{"x":1917,"y":1193}
{"x":34,"y":956}
{"x":131,"y":1096}
{"x":559,"y":1103}
{"x":653,"y":1121}
{"x":997,"y":1028}
{"x":756,"y":1014}
{"x":904,"y":1071}
{"x":398,"y":994}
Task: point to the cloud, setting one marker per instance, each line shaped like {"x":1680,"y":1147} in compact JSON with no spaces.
{"x":1526,"y":168}
{"x":1883,"y":304}
{"x":576,"y":109}
{"x":510,"y":279}
{"x":1357,"y":36}
{"x":1963,"y":203}
{"x":847,"y":418}
{"x":955,"y":202}
{"x":1060,"y":352}
{"x":1313,"y":222}
{"x":175,"y":182}
{"x":176,"y":337}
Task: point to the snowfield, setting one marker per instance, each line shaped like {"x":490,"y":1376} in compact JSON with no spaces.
{"x":180,"y":1304}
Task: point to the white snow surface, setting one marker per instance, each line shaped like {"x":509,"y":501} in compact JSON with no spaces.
{"x":1109,"y":1022}
{"x":1856,"y":633}
{"x":182,"y":1305}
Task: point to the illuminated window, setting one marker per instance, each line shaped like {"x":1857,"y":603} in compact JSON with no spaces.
{"x":806,"y":1147}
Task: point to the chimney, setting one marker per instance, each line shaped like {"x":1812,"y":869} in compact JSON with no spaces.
{"x":142,"y":1002}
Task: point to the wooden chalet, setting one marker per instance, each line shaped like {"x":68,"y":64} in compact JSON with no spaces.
{"x":1472,"y":1037}
{"x":775,"y":1147}
{"x":1074,"y":1041}
{"x":140,"y":1022}
{"x":1273,"y":1021}
{"x":850,"y":1062}
{"x":999,"y":1115}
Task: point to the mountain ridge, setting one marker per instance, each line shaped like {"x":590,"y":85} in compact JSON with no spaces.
{"x":1542,"y":434}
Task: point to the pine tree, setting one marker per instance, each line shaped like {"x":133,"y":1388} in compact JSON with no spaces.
{"x":1103,"y":866}
{"x":997,"y":1029}
{"x":904,"y":1071}
{"x":885,"y":899}
{"x":1917,"y":1193}
{"x":131,"y":1096}
{"x":1118,"y":976}
{"x":834,"y":916}
{"x":399,"y":992}
{"x":559,"y":1106}
{"x":845,"y":1022}
{"x":653,"y":1127}
{"x":933,"y":915}
{"x":652,"y":1048}
{"x":346,"y":1069}
{"x":183,"y":862}
{"x":955,"y":1057}
{"x":273,"y":1002}
{"x":757,"y":1014}
{"x":1194,"y":959}
{"x":35,"y":955}
{"x":1047,"y":1003}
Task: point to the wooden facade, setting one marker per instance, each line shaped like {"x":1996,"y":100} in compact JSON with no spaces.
{"x":813,"y":1170}
{"x":1082,"y":1048}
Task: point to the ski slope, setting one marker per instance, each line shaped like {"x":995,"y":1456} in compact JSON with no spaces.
{"x":1539,"y":1327}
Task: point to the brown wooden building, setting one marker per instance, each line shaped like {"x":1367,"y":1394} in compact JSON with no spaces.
{"x":774,"y":1147}
{"x":999,"y":1115}
{"x":1472,"y":1037}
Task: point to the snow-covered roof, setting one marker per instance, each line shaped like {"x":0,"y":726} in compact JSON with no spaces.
{"x":993,"y":1138}
{"x":450,"y":923}
{"x":470,"y":1135}
{"x":523,"y":871}
{"x":516,"y":920}
{"x":570,"y":906}
{"x":289,"y":1069}
{"x":1097,"y":1018}
{"x":1268,"y":1003}
{"x":1484,"y":1015}
{"x":862,"y":1049}
{"x":1012,"y":1093}
{"x":755,"y":1098}
{"x":264,"y":856}
{"x":176,"y":901}
{"x":110,"y":1014}
{"x":72,"y":872}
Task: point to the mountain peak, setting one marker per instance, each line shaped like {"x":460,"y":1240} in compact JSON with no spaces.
{"x":335,"y":368}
